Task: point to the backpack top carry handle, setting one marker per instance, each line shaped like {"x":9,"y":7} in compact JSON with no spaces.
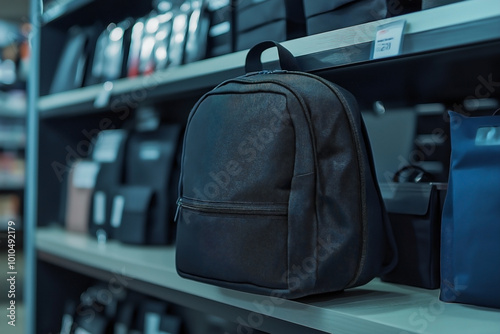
{"x":253,"y":61}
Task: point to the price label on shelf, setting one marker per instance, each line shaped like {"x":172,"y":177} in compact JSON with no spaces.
{"x":108,"y":144}
{"x":85,"y":174}
{"x":389,"y":40}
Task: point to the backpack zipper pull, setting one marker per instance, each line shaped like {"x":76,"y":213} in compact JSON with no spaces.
{"x":177,"y":211}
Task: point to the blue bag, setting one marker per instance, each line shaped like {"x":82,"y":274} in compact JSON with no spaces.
{"x":470,"y":235}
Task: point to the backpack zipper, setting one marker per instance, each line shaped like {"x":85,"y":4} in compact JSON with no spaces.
{"x":269,"y":209}
{"x":266,"y":72}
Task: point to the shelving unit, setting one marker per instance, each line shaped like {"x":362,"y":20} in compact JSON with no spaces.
{"x":374,"y":308}
{"x":449,"y":54}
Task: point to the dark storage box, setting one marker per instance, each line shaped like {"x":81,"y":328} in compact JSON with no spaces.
{"x":151,"y":163}
{"x":401,"y":7}
{"x":326,"y":15}
{"x":426,"y":4}
{"x":415,"y":215}
{"x":220,"y":33}
{"x":130,"y":214}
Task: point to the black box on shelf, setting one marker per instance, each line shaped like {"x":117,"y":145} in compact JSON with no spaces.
{"x":401,"y":7}
{"x":220,"y":33}
{"x":276,"y":20}
{"x":427,"y":4}
{"x":197,"y":35}
{"x":75,"y":59}
{"x":275,"y":31}
{"x":326,"y":15}
{"x":415,"y":216}
{"x":110,"y":53}
{"x":131,"y":213}
{"x":151,"y":172}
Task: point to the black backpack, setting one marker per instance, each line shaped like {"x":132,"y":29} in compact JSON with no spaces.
{"x":278,"y":193}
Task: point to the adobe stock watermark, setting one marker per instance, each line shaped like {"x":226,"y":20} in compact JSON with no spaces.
{"x":11,"y":273}
{"x":248,"y":150}
{"x":121,"y":107}
{"x":423,"y":317}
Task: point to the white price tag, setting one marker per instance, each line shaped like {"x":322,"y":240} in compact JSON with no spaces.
{"x":107,"y":145}
{"x":389,"y":40}
{"x":85,"y":174}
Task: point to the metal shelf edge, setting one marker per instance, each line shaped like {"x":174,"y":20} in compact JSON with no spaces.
{"x":376,"y":307}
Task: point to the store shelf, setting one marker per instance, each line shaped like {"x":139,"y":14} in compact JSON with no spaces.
{"x":377,"y":307}
{"x":473,"y":23}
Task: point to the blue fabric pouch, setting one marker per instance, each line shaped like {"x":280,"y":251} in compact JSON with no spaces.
{"x":470,"y":235}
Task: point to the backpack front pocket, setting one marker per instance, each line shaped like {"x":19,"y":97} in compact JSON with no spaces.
{"x":241,"y":243}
